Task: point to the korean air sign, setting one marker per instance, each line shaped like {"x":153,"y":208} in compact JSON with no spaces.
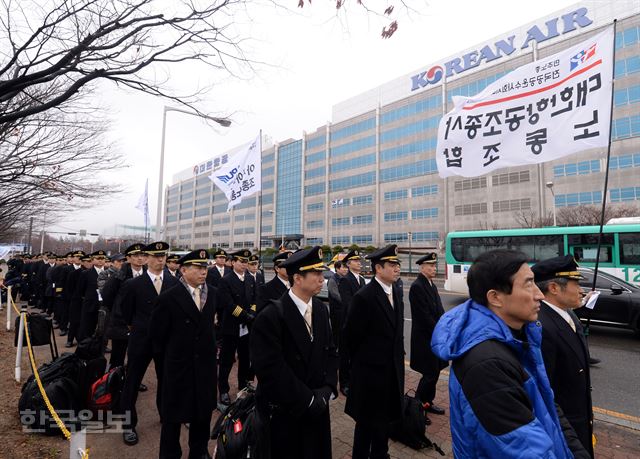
{"x":552,"y":28}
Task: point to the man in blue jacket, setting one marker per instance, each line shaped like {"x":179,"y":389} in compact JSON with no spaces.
{"x":501,"y":402}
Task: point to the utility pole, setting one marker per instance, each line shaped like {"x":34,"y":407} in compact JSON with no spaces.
{"x":30,"y":232}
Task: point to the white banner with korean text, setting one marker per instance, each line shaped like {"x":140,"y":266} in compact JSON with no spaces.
{"x":539,"y":112}
{"x":241,"y":177}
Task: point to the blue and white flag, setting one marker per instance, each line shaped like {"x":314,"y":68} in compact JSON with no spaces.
{"x":241,"y":177}
{"x":143,"y":204}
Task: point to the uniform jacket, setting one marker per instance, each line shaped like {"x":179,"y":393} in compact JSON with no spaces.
{"x":185,"y":337}
{"x":213,"y":275}
{"x":71,"y":284}
{"x":426,"y":310}
{"x":139,"y":299}
{"x":566,"y":358}
{"x":112,"y":296}
{"x":49,"y":275}
{"x":272,"y":290}
{"x":348,"y":286}
{"x":501,"y":402}
{"x":374,"y":331}
{"x":289,"y":365}
{"x":232,"y":293}
{"x":59,"y":276}
{"x":87,"y":289}
{"x":335,"y":301}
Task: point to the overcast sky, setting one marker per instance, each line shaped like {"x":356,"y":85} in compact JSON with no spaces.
{"x":316,"y":61}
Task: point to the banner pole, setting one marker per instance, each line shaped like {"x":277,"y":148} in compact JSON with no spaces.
{"x":9,"y":298}
{"x":606,"y":178}
{"x":260,"y":210}
{"x":18,"y":367}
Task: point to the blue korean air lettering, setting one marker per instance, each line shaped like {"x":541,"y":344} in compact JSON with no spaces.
{"x":505,"y":47}
{"x":228,"y":177}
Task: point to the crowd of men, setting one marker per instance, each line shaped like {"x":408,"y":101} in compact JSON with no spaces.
{"x":519,"y":382}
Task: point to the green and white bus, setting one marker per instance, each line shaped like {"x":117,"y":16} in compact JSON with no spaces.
{"x":619,"y":254}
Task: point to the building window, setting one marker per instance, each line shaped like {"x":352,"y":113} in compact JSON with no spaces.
{"x":627,"y":37}
{"x":626,"y":96}
{"x":425,"y":190}
{"x":410,"y":149}
{"x":313,"y":173}
{"x":624,"y":161}
{"x":362,"y":219}
{"x":578,"y":199}
{"x":471,"y":209}
{"x":396,"y":195}
{"x":314,"y":241}
{"x":510,"y":178}
{"x":581,"y":168}
{"x":186,"y":215}
{"x":396,"y":216}
{"x":315,"y":157}
{"x":289,"y":196}
{"x":315,"y":189}
{"x":353,"y":181}
{"x":624,"y":194}
{"x":315,"y":224}
{"x":353,"y":163}
{"x":512,"y":205}
{"x":470,"y":184}
{"x":315,"y":207}
{"x":342,"y":221}
{"x":340,"y":202}
{"x":350,"y":147}
{"x":419,"y":214}
{"x":420,"y":106}
{"x":626,"y":127}
{"x":201,"y":212}
{"x":362,"y":200}
{"x":267,"y":171}
{"x":422,"y":236}
{"x":362,"y":239}
{"x":340,"y":240}
{"x":410,"y":129}
{"x":395,"y":237}
{"x":408,"y":170}
{"x":353,"y":129}
{"x":316,"y":142}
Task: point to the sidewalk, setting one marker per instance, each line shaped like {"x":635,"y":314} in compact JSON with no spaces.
{"x":614,"y":441}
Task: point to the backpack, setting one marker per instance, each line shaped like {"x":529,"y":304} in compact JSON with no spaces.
{"x":106,"y":391}
{"x":240,"y":430}
{"x":410,"y":429}
{"x":58,"y":379}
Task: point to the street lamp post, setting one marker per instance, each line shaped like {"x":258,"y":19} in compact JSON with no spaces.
{"x":410,"y":265}
{"x":550,"y":186}
{"x":221,"y":121}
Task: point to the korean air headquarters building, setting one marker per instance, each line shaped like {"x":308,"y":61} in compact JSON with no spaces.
{"x":369,"y":177}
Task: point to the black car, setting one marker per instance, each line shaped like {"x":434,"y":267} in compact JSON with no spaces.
{"x":618,"y":304}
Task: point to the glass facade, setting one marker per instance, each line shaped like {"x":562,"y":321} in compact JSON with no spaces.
{"x":288,"y":204}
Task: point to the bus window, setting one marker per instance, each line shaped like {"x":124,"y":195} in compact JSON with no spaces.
{"x":548,"y":247}
{"x":588,"y":254}
{"x":629,"y":248}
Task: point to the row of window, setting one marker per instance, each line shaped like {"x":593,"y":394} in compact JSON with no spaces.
{"x":470,"y":184}
{"x":626,"y":127}
{"x":247,"y":230}
{"x":355,"y":145}
{"x":353,"y":129}
{"x":413,"y":109}
{"x":625,"y":67}
{"x":471,"y":209}
{"x":510,"y":178}
{"x":580,"y":168}
{"x":624,"y":161}
{"x":359,"y":161}
{"x":243,"y":218}
{"x":316,"y":142}
{"x":627,"y":37}
{"x":316,"y":172}
{"x":512,"y":205}
{"x":625,"y":194}
{"x":315,"y":157}
{"x":427,"y":166}
{"x":410,"y":129}
{"x":418,"y":236}
{"x":354,"y":181}
{"x":409,"y":149}
{"x":578,"y":199}
{"x":474,"y":87}
{"x":626,"y":96}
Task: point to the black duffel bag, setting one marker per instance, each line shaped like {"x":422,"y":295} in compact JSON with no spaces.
{"x":58,"y":379}
{"x":40,"y":330}
{"x":410,"y":430}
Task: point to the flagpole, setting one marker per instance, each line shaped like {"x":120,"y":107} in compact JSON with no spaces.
{"x":260,"y":210}
{"x":606,"y":177}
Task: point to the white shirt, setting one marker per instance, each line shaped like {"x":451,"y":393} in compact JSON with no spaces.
{"x":192,"y":290}
{"x":153,"y":276}
{"x":220,"y":270}
{"x":98,"y":270}
{"x":286,"y":283}
{"x":564,"y":314}
{"x":301,"y":305}
{"x":76,"y":266}
{"x":387,"y":289}
{"x":240,"y":276}
{"x":137,"y":273}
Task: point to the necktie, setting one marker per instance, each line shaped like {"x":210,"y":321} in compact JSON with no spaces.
{"x":157,"y":283}
{"x":390,"y":297}
{"x":307,"y":319}
{"x":572,"y":322}
{"x":196,"y":297}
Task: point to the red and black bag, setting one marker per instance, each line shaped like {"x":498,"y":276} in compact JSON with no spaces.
{"x":106,"y":391}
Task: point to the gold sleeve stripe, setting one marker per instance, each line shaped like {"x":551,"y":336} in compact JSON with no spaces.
{"x":237,"y":311}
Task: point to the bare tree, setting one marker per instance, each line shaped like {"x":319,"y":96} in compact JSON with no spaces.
{"x":530,"y":219}
{"x":52,"y":162}
{"x":590,"y":215}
